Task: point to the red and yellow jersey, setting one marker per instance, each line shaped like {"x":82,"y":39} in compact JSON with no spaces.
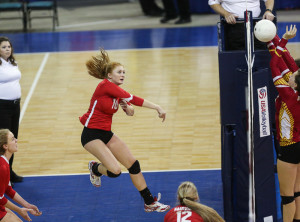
{"x":287,"y":106}
{"x":182,"y":214}
{"x":104,"y":103}
{"x":5,"y":186}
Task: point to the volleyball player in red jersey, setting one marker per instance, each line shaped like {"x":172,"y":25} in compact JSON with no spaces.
{"x":97,"y":137}
{"x":8,"y":145}
{"x":286,"y":79}
{"x":189,"y":209}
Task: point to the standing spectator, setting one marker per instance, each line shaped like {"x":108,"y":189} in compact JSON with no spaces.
{"x":189,"y":209}
{"x":10,"y":95}
{"x":233,"y":29}
{"x":97,"y":137}
{"x":286,"y":78}
{"x":8,"y":145}
{"x":183,"y":7}
{"x":150,"y":8}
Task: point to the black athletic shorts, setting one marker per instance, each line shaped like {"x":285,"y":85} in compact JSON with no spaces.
{"x":88,"y":135}
{"x":290,"y":153}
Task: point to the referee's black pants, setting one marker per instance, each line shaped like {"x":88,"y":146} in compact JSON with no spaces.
{"x":9,"y":119}
{"x":235,"y":38}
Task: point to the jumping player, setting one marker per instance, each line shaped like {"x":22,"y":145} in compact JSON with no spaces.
{"x":97,"y":137}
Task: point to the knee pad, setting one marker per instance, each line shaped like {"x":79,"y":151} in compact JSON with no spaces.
{"x":296,"y":194}
{"x":110,"y":174}
{"x":135,"y":168}
{"x":287,"y":199}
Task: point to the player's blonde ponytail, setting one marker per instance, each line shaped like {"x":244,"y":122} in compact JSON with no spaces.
{"x":207,"y":213}
{"x":100,"y":65}
{"x":187,"y":195}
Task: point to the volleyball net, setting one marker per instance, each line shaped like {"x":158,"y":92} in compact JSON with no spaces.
{"x":247,"y":99}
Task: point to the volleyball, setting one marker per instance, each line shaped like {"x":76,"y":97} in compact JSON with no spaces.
{"x":265,"y":30}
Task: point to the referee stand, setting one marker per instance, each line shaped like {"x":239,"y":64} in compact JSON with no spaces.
{"x":233,"y":76}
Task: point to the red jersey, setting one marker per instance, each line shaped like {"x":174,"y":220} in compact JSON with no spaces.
{"x":5,"y":186}
{"x":182,"y":214}
{"x":104,"y":103}
{"x":287,"y":107}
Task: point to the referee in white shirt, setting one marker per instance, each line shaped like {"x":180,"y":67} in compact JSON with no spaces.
{"x":10,"y":95}
{"x":233,"y":30}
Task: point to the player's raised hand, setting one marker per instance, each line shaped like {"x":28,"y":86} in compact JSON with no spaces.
{"x":290,"y":32}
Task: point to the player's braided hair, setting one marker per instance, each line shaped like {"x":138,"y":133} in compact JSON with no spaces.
{"x":11,"y":58}
{"x":100,"y":65}
{"x":3,"y":139}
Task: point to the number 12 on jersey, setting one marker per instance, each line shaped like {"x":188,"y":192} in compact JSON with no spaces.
{"x":183,"y":216}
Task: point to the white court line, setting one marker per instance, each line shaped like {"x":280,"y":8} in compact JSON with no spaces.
{"x":157,"y":171}
{"x":35,"y":81}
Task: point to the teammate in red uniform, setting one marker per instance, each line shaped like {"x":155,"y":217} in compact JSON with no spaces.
{"x":189,"y":209}
{"x":8,"y":145}
{"x":97,"y":137}
{"x":286,"y":79}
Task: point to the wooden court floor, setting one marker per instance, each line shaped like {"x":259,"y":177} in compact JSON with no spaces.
{"x":184,"y":81}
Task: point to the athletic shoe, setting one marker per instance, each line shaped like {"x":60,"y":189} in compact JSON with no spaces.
{"x":95,"y":180}
{"x":156,"y":206}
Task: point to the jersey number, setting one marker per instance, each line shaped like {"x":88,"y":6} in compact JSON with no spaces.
{"x":115,"y":104}
{"x":183,"y":216}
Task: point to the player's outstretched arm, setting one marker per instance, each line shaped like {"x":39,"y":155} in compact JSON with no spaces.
{"x":161,"y":112}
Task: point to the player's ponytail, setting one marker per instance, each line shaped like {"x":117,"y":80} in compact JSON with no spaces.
{"x":208,"y":214}
{"x":99,"y":66}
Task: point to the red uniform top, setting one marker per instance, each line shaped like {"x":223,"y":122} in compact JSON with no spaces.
{"x":104,"y":103}
{"x":5,"y":186}
{"x":182,"y":214}
{"x":287,"y":107}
